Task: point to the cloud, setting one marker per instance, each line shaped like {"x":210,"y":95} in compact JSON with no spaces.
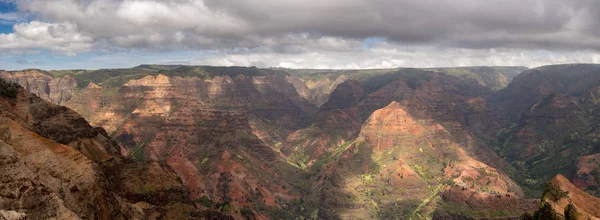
{"x":235,"y":23}
{"x":60,"y":37}
{"x":9,"y":18}
{"x":385,"y":55}
{"x":334,"y":31}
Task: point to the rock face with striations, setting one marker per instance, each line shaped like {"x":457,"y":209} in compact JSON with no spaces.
{"x":56,"y":90}
{"x":276,"y":143}
{"x":216,"y":133}
{"x":53,"y":164}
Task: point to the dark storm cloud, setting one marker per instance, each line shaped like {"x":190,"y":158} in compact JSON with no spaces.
{"x":218,"y":24}
{"x":246,"y":31}
{"x":464,"y":23}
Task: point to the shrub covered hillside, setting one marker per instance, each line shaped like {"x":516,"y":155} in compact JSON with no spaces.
{"x":8,"y":89}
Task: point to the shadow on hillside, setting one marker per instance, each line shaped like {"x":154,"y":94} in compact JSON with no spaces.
{"x":429,"y":96}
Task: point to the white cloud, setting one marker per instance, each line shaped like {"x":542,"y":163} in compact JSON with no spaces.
{"x":60,"y":37}
{"x":10,"y":16}
{"x":384,"y":55}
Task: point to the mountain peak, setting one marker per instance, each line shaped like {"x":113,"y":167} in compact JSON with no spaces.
{"x":563,"y":200}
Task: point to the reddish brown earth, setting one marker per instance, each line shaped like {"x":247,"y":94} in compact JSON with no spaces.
{"x":563,"y":200}
{"x":55,"y":90}
{"x":205,"y":133}
{"x":188,"y":123}
{"x":252,"y":142}
{"x":53,"y":164}
{"x":397,"y":155}
{"x":455,"y":104}
{"x":587,"y":166}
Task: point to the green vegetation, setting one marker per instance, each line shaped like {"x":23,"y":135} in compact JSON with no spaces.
{"x":115,"y":78}
{"x":137,"y":154}
{"x":331,"y":156}
{"x":434,"y":193}
{"x":495,"y":78}
{"x":447,"y":208}
{"x":8,"y":89}
{"x":412,"y":77}
{"x":320,"y":74}
{"x":103,"y":77}
{"x":205,"y":201}
{"x":248,"y":214}
{"x":314,"y":215}
{"x":596,"y":174}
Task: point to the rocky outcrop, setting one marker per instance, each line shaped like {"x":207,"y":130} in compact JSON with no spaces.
{"x":316,"y":90}
{"x":59,"y":124}
{"x":43,"y":178}
{"x":53,"y":164}
{"x":55,"y":90}
{"x":563,"y":200}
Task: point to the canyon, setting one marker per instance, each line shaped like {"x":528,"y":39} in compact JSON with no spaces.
{"x":174,"y":141}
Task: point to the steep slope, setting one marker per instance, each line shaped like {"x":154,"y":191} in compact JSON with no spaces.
{"x":402,"y":167}
{"x":552,"y":127}
{"x":535,"y":84}
{"x":563,"y":200}
{"x":55,"y":90}
{"x":316,"y":85}
{"x":216,"y":128}
{"x":454,"y":103}
{"x":354,"y":167}
{"x":206,"y":134}
{"x":55,"y":165}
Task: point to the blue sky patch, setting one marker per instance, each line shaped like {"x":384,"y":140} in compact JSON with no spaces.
{"x":6,"y":25}
{"x":370,"y":41}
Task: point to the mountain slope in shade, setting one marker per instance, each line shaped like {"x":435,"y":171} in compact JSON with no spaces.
{"x":316,"y":85}
{"x":552,"y":125}
{"x":493,"y":77}
{"x":563,"y":200}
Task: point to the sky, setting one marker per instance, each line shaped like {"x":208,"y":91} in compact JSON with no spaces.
{"x":338,"y":34}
